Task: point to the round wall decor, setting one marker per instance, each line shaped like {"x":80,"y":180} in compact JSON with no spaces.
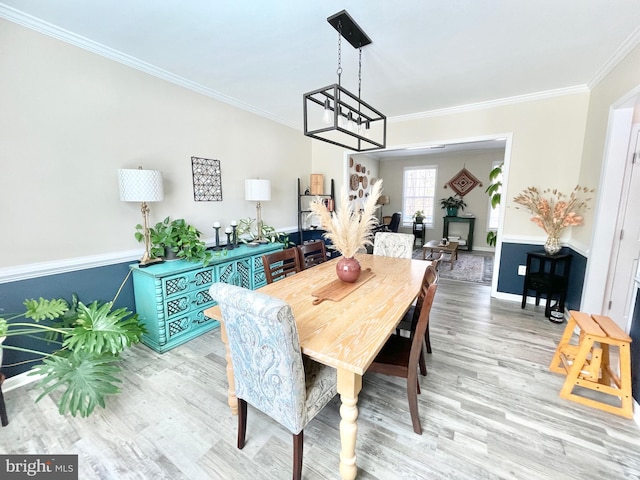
{"x":354,"y":180}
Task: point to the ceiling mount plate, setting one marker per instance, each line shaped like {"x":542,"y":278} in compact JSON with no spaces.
{"x":351,"y":31}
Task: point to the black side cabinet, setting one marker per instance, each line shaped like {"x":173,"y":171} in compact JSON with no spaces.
{"x":546,"y":275}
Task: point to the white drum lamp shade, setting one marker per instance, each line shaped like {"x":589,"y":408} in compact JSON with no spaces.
{"x":138,"y":185}
{"x":257,"y":190}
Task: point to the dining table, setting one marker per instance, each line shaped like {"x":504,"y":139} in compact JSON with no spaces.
{"x":343,"y":326}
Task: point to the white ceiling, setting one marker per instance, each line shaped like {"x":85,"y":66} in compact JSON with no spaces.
{"x":426,"y":54}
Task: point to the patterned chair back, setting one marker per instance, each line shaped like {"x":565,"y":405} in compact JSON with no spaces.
{"x":389,"y":244}
{"x":265,"y":352}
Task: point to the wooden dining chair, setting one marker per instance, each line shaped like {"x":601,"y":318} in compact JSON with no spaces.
{"x":281,"y":264}
{"x":410,"y":317}
{"x":400,"y":356}
{"x":312,"y":253}
{"x":269,"y":370}
{"x":389,"y":244}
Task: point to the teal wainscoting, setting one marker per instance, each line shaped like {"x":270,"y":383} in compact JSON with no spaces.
{"x":100,"y":283}
{"x":515,"y":254}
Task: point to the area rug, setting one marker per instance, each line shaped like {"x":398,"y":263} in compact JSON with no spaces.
{"x":476,"y":267}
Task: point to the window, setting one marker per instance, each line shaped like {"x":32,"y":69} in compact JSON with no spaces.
{"x":419,"y":190}
{"x":493,"y":218}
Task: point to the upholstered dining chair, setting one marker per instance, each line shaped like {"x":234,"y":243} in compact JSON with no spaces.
{"x":281,"y":264}
{"x":269,"y":370}
{"x":312,"y":253}
{"x":389,"y":244}
{"x":401,"y":356}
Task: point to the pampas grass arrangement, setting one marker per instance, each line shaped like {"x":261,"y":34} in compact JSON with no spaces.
{"x":349,"y":231}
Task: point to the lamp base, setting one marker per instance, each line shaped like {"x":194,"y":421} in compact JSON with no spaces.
{"x":149,"y":261}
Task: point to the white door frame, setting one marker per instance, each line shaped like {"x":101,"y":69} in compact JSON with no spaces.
{"x":610,"y":188}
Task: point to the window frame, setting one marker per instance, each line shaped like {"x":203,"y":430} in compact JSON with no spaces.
{"x":407,"y":216}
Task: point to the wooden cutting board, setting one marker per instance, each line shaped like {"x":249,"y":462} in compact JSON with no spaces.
{"x":337,"y":289}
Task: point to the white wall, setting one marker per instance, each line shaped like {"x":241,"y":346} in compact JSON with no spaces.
{"x":547,"y":137}
{"x":70,"y":118}
{"x":611,"y":113}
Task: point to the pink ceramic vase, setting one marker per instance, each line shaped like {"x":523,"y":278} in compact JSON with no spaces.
{"x":348,"y":269}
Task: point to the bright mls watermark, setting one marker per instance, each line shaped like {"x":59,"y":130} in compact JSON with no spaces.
{"x":50,"y":467}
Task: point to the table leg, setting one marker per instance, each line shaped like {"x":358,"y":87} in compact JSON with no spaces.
{"x":349,"y":386}
{"x":232,"y":400}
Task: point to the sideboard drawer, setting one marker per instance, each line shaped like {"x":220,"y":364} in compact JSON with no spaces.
{"x":190,"y":322}
{"x":185,"y":281}
{"x":187,"y":301}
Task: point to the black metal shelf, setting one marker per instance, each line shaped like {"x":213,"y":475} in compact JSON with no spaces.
{"x":301,"y":212}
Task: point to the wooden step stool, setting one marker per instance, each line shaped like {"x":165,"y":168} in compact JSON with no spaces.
{"x":587,"y":365}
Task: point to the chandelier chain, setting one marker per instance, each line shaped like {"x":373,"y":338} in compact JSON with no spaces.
{"x":359,"y":74}
{"x":339,"y":70}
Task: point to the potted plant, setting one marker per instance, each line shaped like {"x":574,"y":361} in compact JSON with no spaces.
{"x":246,"y":235}
{"x":177,"y":239}
{"x":452,"y":204}
{"x":90,"y":339}
{"x":349,"y":231}
{"x":494,"y":191}
{"x":419,"y":216}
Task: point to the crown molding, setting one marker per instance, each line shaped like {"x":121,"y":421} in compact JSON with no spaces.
{"x":66,"y":36}
{"x":529,"y":97}
{"x":631,"y":42}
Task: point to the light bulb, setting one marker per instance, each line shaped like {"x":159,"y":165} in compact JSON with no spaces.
{"x":342,"y":120}
{"x":350,"y":123}
{"x":367,"y":129}
{"x":327,"y":116}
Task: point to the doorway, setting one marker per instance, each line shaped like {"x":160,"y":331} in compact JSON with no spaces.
{"x":615,"y":173}
{"x":626,"y":247}
{"x":501,"y":141}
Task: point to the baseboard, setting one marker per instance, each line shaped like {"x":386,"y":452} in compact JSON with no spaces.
{"x":19,"y":380}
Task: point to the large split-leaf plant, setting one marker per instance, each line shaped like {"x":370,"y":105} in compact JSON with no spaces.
{"x":89,"y":340}
{"x":494,"y":190}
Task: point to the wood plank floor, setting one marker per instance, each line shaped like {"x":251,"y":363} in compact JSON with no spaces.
{"x":489,"y":409}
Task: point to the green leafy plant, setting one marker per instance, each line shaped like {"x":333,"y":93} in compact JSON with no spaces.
{"x":494,"y":191}
{"x":246,"y":235}
{"x":453,"y":202}
{"x":179,"y":237}
{"x":418,"y":214}
{"x":90,"y":339}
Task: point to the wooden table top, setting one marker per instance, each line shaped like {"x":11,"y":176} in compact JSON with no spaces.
{"x":348,"y":334}
{"x":436,"y":245}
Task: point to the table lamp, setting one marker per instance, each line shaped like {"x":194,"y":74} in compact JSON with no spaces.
{"x":383,"y":200}
{"x":138,"y":185}
{"x":258,"y":190}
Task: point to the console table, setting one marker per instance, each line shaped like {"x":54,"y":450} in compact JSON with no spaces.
{"x":548,"y":275}
{"x":171,"y":297}
{"x":470,"y":221}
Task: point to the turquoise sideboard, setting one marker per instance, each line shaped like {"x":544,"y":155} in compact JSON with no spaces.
{"x":172,"y":296}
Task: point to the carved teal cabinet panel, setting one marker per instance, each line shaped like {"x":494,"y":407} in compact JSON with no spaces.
{"x":171,"y":297}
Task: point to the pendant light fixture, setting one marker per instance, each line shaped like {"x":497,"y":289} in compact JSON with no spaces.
{"x":335,"y":115}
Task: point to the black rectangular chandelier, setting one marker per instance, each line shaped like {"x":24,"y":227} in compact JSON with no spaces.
{"x":335,"y":115}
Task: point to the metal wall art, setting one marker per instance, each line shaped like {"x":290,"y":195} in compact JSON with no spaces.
{"x":207,"y":180}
